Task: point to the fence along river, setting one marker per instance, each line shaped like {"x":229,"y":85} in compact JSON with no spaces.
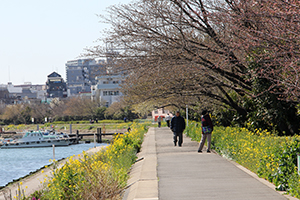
{"x":17,"y":163}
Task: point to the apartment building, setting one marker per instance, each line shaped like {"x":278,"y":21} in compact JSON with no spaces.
{"x":56,"y":86}
{"x":107,"y":89}
{"x":81,"y":74}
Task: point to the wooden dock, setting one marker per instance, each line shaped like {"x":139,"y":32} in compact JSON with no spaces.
{"x":98,"y":135}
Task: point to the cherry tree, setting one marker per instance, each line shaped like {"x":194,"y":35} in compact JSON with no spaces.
{"x":186,"y":51}
{"x":269,"y":32}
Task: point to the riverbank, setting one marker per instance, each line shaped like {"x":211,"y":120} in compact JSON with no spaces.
{"x":35,"y":182}
{"x":109,"y":126}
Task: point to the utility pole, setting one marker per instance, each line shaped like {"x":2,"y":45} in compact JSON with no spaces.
{"x":187,"y":115}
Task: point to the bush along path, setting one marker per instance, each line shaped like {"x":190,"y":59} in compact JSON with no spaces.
{"x":271,"y":157}
{"x":102,"y":175}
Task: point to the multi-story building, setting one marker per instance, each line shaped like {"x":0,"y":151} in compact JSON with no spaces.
{"x":5,"y":97}
{"x":25,"y":93}
{"x":107,"y":90}
{"x":56,"y":87}
{"x":81,"y":74}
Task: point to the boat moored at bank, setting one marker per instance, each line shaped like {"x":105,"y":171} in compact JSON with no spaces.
{"x":36,"y":139}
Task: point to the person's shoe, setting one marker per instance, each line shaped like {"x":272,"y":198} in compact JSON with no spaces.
{"x":174,"y":143}
{"x":199,"y":151}
{"x":208,"y":151}
{"x":179,"y":145}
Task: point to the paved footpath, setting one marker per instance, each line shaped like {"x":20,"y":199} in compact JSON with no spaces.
{"x":169,"y":172}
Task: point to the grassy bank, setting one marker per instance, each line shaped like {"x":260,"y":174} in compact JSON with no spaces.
{"x":271,"y":157}
{"x":102,"y":175}
{"x":81,"y":126}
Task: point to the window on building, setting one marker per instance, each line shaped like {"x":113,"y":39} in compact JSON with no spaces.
{"x":111,"y":93}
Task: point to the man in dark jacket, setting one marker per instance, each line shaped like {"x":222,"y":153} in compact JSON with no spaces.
{"x":177,"y":126}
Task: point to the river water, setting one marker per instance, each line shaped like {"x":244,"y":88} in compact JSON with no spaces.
{"x":16,"y":163}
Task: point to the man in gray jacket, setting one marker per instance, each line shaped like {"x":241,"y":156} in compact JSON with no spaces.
{"x":177,"y":126}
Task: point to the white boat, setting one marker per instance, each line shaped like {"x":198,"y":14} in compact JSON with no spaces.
{"x":52,"y":134}
{"x":36,"y":139}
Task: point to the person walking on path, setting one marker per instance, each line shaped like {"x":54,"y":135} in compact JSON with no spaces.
{"x":159,"y":121}
{"x":207,"y":129}
{"x":168,"y":120}
{"x":177,"y":126}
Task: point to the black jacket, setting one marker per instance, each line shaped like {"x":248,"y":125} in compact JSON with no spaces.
{"x":177,"y":124}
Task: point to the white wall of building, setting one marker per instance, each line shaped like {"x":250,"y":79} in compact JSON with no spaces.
{"x":108,"y":89}
{"x":160,"y":112}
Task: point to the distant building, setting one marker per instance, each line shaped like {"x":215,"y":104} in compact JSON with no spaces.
{"x":160,"y":112}
{"x":5,"y":98}
{"x":107,"y":90}
{"x":86,"y":95}
{"x":81,"y":74}
{"x":56,"y":87}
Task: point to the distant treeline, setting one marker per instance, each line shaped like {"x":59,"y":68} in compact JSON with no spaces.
{"x":68,"y":110}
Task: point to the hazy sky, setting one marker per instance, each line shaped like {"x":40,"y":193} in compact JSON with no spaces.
{"x":38,"y":37}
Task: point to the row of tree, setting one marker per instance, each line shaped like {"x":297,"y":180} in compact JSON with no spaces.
{"x":239,"y":58}
{"x":63,"y":110}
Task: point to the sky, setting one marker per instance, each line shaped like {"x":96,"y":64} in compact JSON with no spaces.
{"x":38,"y":37}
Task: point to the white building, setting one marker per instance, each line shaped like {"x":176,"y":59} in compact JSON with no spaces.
{"x":107,"y":89}
{"x":160,"y":112}
{"x":27,"y":90}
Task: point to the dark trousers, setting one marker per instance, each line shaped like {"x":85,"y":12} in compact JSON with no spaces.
{"x":175,"y":138}
{"x":168,"y":123}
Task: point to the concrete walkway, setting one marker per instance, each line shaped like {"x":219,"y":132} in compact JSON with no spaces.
{"x":167,"y":172}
